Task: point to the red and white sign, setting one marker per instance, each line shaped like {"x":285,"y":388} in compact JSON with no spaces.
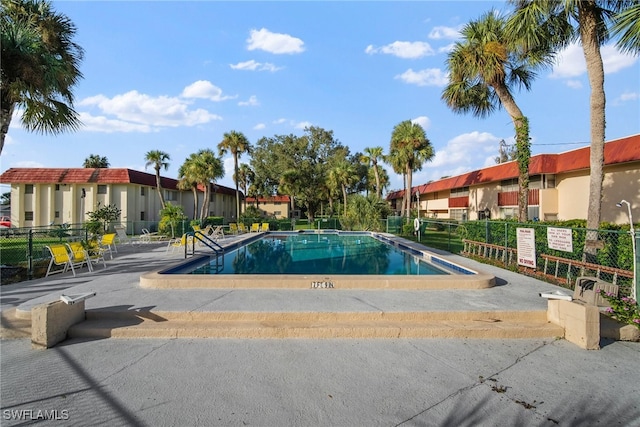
{"x":526,"y":247}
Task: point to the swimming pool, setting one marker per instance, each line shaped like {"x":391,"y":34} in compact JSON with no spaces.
{"x":321,"y":254}
{"x":410,"y":265}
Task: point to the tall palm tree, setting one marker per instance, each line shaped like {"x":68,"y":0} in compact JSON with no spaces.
{"x":158,"y":159}
{"x":484,"y":68}
{"x":236,"y":143}
{"x":396,"y":160}
{"x":95,"y":161}
{"x":245,"y":177}
{"x":372,"y":155}
{"x":40,"y":66}
{"x":410,"y":144}
{"x":538,"y":23}
{"x":188,"y":180}
{"x":342,"y":174}
{"x":206,"y":169}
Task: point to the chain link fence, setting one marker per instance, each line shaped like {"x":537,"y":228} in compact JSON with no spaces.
{"x":610,"y":256}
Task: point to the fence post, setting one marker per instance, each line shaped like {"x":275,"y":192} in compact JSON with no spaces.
{"x":635,"y":239}
{"x":30,"y":255}
{"x":506,"y":242}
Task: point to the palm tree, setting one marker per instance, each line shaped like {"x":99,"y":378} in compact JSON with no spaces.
{"x":410,"y":145}
{"x":342,"y":174}
{"x":396,"y":160}
{"x":245,"y":177}
{"x":538,"y":23}
{"x":484,"y":68}
{"x":372,"y":156}
{"x":627,"y":25}
{"x":236,"y":143}
{"x":40,"y":66}
{"x":158,"y":159}
{"x":95,"y":161}
{"x":206,"y":168}
{"x":188,"y":180}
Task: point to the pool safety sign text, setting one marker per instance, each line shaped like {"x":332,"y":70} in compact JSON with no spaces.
{"x":526,"y":247}
{"x":324,"y":284}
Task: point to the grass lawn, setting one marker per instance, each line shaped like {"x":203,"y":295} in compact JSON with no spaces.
{"x":442,"y":240}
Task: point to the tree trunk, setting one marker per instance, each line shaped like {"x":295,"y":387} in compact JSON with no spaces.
{"x":195,"y":202}
{"x":5,"y":118}
{"x":235,"y":170}
{"x":344,"y":197}
{"x":523,"y":148}
{"x":409,"y":174}
{"x":159,"y":187}
{"x":595,"y":72}
{"x":377,"y":175}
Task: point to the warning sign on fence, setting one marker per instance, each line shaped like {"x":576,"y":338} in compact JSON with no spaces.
{"x":560,"y":239}
{"x":526,"y":247}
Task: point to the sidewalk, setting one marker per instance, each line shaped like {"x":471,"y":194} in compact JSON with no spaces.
{"x":305,"y":382}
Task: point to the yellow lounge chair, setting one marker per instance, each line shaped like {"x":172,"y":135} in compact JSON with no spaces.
{"x":264,"y":226}
{"x":80,"y":256}
{"x":233,"y":228}
{"x":108,"y":243}
{"x":179,"y":243}
{"x":59,"y":256}
{"x":242,"y":228}
{"x":255,"y":227}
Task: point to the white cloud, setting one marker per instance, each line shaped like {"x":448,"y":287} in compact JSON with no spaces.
{"x":102,"y":124}
{"x":227,"y":162}
{"x":279,"y":121}
{"x":441,"y":32}
{"x":629,"y":96}
{"x":301,"y":125}
{"x":446,"y":49}
{"x":28,"y":164}
{"x":410,"y":50}
{"x":468,"y":151}
{"x":426,"y":77}
{"x":253,"y":65}
{"x":570,"y":62}
{"x":574,"y":84}
{"x":252,"y":102}
{"x":259,"y":126}
{"x":205,"y":90}
{"x":141,"y":109}
{"x":422,"y":121}
{"x":277,"y":43}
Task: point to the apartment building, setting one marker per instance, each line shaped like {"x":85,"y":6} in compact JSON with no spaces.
{"x":558,"y":189}
{"x":44,"y":196}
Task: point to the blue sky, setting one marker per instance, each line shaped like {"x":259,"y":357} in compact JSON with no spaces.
{"x":175,"y":76}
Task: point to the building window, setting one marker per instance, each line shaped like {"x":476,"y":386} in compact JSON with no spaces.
{"x":28,"y":216}
{"x":57,"y":187}
{"x":550,"y":181}
{"x":142,"y":191}
{"x":102,"y":189}
{"x":458,"y":214}
{"x":277,"y":213}
{"x":57,"y":214}
{"x":142,"y":216}
{"x":28,"y":189}
{"x":533,"y":213}
{"x":460,"y":192}
{"x":508,"y":213}
{"x":171,"y":196}
{"x":277,"y":203}
{"x":509,"y":185}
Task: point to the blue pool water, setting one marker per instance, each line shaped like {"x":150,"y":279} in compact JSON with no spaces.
{"x":308,"y":253}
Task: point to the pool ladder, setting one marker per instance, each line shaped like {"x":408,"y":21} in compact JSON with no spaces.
{"x":208,"y":242}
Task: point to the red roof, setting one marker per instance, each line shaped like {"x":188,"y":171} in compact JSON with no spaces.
{"x":89,"y":175}
{"x":618,"y":151}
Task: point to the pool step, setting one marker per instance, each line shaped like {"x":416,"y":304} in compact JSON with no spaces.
{"x":313,"y":325}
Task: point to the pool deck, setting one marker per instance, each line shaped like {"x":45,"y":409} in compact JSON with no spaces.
{"x":305,"y":381}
